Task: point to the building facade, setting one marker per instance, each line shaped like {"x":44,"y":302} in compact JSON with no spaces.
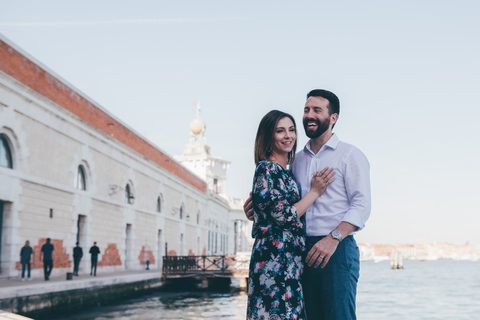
{"x":72,"y":172}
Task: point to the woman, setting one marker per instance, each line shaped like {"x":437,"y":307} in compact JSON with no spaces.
{"x":276,"y":265}
{"x":25,"y":255}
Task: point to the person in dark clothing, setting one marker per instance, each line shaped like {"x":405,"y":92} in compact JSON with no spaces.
{"x":77,"y":256}
{"x":25,"y":257}
{"x":46,"y":254}
{"x":94,"y":251}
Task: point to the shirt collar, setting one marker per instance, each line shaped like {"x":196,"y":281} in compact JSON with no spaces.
{"x":332,"y":143}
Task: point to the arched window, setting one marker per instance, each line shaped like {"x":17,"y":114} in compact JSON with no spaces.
{"x":80,"y":181}
{"x":181,"y":212}
{"x":159,"y":204}
{"x":5,"y":153}
{"x":129,"y":198}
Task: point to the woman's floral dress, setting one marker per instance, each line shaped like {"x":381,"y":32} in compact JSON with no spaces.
{"x":276,"y":265}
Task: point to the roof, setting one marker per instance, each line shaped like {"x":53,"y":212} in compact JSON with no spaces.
{"x":37,"y":77}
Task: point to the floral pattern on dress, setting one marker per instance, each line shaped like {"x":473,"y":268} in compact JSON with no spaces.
{"x":276,"y":265}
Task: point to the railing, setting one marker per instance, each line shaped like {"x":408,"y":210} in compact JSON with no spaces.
{"x":225,"y":265}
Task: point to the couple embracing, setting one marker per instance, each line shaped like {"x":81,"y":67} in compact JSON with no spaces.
{"x":306,"y":208}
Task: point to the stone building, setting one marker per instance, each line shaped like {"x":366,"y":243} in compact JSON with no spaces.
{"x":71,"y":171}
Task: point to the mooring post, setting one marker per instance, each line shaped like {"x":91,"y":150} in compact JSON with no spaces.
{"x":204,"y":283}
{"x":243,"y":283}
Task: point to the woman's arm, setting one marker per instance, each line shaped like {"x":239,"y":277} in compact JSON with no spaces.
{"x":269,"y":194}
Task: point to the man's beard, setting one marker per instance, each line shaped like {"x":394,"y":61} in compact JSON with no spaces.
{"x":322,"y":126}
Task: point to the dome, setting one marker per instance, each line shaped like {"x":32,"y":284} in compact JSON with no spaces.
{"x":197,"y":126}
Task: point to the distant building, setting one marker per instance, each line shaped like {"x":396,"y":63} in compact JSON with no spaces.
{"x":71,"y":171}
{"x":422,"y":251}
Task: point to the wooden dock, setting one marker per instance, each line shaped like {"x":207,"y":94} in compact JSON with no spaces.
{"x":204,"y":267}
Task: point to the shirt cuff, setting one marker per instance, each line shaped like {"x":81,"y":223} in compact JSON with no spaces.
{"x":355,"y":218}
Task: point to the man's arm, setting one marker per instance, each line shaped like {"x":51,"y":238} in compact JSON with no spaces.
{"x":326,"y":247}
{"x":357,"y":187}
{"x":248,"y":208}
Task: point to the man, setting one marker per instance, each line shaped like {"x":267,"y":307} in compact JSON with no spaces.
{"x":94,"y":251}
{"x":47,"y":257}
{"x":77,"y":256}
{"x":330,"y":291}
{"x":25,"y":257}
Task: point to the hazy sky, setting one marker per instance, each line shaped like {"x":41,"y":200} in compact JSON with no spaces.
{"x":407,"y":74}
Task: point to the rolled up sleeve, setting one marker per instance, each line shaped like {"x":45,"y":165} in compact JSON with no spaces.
{"x":357,"y":185}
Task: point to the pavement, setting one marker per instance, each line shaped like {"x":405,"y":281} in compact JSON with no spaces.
{"x":15,"y":287}
{"x":4,"y":315}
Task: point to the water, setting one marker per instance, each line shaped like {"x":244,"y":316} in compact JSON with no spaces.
{"x":423,"y":290}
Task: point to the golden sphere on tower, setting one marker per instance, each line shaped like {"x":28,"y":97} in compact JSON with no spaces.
{"x":197,"y":126}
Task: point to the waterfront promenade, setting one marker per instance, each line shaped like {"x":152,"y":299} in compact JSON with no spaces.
{"x":40,"y":296}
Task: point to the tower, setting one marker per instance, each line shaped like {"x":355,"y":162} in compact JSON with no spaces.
{"x":197,"y":158}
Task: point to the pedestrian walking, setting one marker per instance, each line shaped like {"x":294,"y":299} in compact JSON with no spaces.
{"x":25,"y":257}
{"x":77,"y":256}
{"x":94,"y":252}
{"x":47,"y":257}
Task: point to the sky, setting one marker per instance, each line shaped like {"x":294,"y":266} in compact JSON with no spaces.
{"x":407,"y":74}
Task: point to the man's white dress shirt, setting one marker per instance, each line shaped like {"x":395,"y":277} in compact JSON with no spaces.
{"x":347,"y":198}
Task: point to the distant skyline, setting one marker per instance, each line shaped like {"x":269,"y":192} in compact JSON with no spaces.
{"x":407,"y":75}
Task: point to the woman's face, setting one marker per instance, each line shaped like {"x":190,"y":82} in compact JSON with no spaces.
{"x":284,"y":137}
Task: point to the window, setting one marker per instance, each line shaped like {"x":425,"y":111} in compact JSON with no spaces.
{"x":198,"y":217}
{"x":5,"y":153}
{"x":80,"y":182}
{"x":159,"y":204}
{"x":129,"y":198}
{"x":215,"y":184}
{"x":181,"y":212}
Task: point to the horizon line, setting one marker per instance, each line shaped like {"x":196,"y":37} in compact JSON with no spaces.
{"x":117,"y":22}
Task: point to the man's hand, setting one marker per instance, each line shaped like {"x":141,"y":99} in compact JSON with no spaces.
{"x":321,"y":252}
{"x":248,"y":208}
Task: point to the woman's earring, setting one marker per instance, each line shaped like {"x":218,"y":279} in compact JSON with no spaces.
{"x":269,"y":150}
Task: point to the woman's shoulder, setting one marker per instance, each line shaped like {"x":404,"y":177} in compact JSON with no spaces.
{"x":268,"y":165}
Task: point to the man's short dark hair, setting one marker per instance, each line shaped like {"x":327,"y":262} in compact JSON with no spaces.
{"x":334,"y":102}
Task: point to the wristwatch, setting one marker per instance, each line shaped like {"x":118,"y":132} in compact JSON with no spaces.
{"x":336,"y":235}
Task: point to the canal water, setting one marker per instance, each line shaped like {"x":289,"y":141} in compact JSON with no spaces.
{"x":421,"y":291}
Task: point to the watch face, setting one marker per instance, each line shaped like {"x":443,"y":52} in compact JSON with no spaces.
{"x":336,"y":234}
